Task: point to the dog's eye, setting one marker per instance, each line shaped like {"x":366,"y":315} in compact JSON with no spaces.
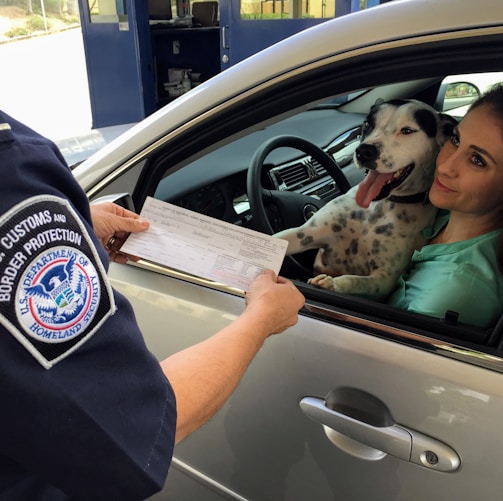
{"x":407,"y":130}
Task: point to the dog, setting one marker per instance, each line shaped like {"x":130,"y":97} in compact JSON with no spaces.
{"x":367,"y":236}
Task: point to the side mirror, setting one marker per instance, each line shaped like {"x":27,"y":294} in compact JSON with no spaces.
{"x":459,"y":95}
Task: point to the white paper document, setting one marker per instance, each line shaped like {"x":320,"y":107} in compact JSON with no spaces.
{"x":204,"y":246}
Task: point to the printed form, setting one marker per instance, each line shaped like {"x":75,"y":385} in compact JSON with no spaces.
{"x":203,"y":246}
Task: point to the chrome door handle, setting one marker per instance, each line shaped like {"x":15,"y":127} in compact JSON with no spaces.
{"x":394,"y":439}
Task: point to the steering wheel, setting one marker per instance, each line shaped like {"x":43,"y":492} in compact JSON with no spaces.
{"x":275,"y":210}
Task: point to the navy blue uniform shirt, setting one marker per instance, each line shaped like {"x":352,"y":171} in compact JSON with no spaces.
{"x":86,"y":412}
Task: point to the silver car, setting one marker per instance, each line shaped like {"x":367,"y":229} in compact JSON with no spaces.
{"x":359,"y":400}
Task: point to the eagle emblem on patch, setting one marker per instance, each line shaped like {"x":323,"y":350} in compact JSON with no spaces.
{"x":58,"y":301}
{"x":54,"y":292}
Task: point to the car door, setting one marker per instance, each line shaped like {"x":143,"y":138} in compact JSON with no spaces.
{"x":262,"y":445}
{"x":357,"y":401}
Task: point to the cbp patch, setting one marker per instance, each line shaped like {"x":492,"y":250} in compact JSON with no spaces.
{"x":54,"y":291}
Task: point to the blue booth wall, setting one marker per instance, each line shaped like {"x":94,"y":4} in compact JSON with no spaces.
{"x":128,"y":59}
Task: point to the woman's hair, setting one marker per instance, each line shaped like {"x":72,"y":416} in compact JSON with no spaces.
{"x":493,"y":98}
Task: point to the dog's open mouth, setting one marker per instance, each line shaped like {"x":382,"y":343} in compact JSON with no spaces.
{"x":377,"y":186}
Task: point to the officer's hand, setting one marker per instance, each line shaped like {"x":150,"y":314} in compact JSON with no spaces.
{"x":112,"y":225}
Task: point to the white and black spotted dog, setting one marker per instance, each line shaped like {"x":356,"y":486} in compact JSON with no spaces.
{"x":367,"y":236}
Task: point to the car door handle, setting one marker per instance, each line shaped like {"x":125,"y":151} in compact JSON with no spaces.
{"x":393,"y":439}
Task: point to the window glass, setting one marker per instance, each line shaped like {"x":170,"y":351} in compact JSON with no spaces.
{"x":107,"y":11}
{"x":295,"y":9}
{"x":287,"y":9}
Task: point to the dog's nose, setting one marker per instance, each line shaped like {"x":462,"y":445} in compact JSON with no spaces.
{"x":367,"y":153}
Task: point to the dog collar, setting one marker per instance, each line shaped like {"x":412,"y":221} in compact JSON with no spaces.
{"x":409,"y":199}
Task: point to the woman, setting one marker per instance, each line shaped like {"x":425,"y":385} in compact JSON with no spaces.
{"x":459,"y":270}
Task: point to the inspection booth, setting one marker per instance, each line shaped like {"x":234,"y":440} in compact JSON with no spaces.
{"x":141,"y":54}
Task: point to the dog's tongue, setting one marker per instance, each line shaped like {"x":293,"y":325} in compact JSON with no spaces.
{"x":370,"y":187}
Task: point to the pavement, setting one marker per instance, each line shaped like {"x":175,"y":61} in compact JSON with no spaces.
{"x":44,"y":85}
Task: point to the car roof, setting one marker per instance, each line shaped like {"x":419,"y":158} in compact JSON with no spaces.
{"x":395,"y":22}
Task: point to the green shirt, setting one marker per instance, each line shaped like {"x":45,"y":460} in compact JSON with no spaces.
{"x":462,"y":276}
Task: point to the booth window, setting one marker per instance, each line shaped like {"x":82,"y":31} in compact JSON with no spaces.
{"x":286,"y":9}
{"x":107,"y":11}
{"x":301,"y":9}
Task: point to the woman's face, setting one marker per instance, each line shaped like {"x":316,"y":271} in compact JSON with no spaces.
{"x":469,"y":174}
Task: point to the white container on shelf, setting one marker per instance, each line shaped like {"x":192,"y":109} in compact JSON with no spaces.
{"x":186,"y":85}
{"x":175,"y":75}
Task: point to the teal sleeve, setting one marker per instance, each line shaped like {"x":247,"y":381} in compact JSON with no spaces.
{"x":441,"y":286}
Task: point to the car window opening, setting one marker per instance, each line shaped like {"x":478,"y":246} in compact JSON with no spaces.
{"x":222,"y":191}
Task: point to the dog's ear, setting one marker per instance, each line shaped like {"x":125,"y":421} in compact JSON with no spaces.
{"x":445,"y":127}
{"x":378,"y":103}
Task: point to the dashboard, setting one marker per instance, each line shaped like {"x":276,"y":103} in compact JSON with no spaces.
{"x":215,"y":184}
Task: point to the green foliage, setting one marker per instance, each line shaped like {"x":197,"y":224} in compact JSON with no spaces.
{"x":264,"y":16}
{"x":50,"y":6}
{"x":268,"y":16}
{"x":17,"y":32}
{"x":36,"y":23}
{"x":22,"y":4}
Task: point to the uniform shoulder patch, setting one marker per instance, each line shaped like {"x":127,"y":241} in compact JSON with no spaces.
{"x":54,"y":290}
